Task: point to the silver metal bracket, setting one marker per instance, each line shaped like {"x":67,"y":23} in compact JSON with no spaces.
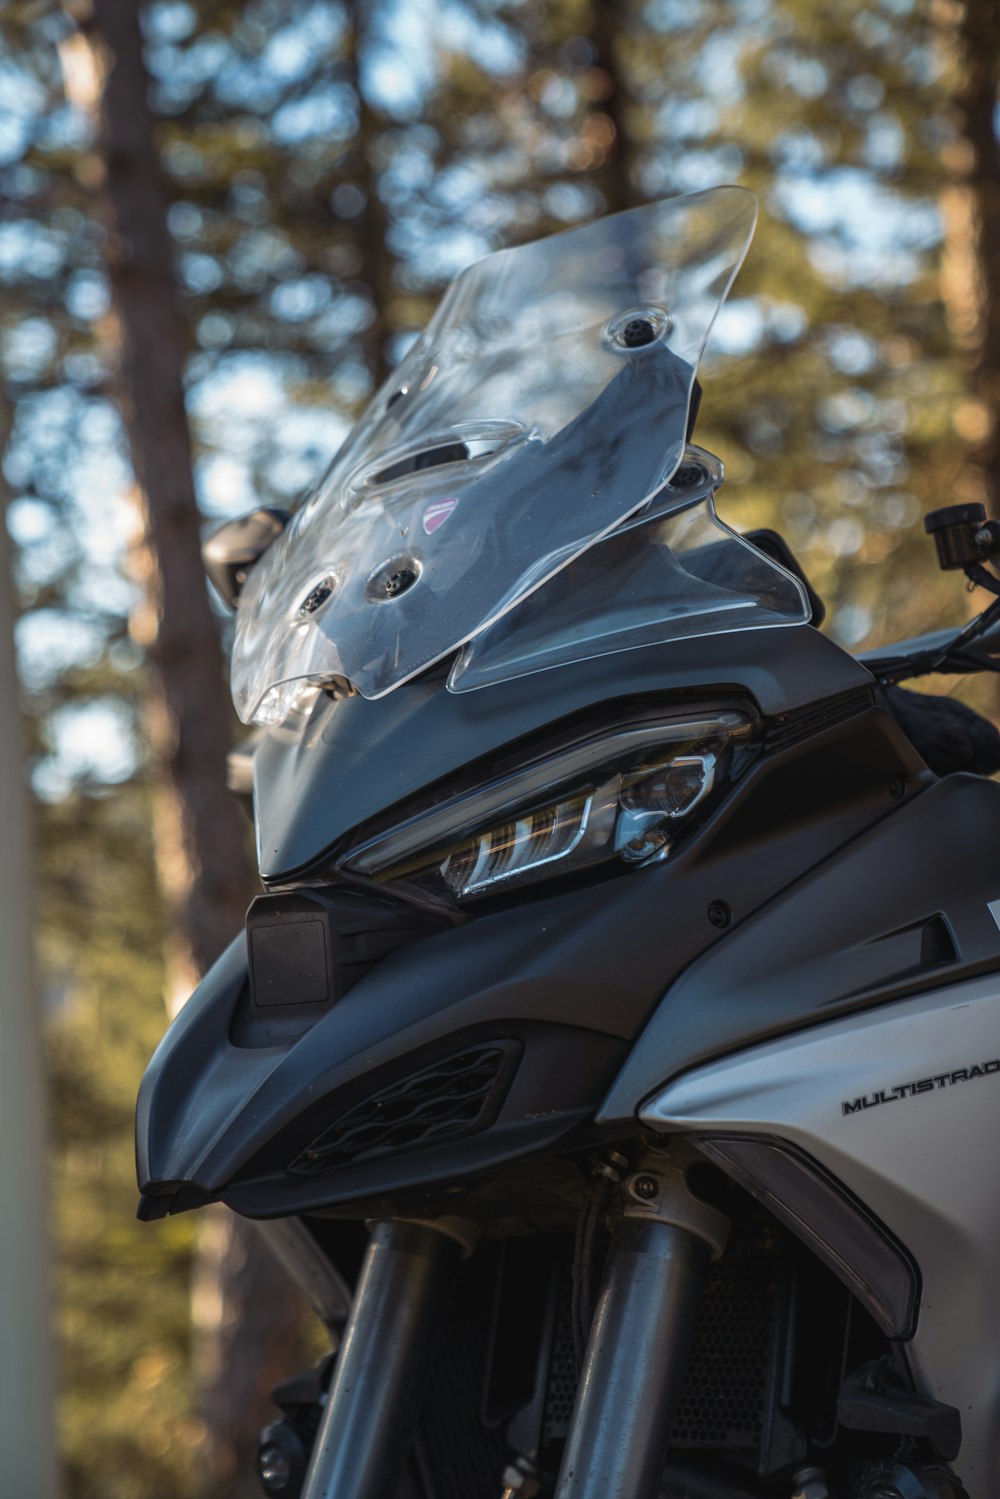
{"x":657,"y":1191}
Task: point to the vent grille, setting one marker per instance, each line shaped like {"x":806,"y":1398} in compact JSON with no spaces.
{"x":789,"y":728}
{"x":725,"y":1394}
{"x":458,"y":1456}
{"x":561,"y":1391}
{"x":444,"y":1101}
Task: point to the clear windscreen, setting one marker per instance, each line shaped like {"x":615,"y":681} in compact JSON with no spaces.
{"x":546,"y":402}
{"x":670,"y":573}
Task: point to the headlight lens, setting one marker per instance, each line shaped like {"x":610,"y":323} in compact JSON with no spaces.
{"x":621,"y":795}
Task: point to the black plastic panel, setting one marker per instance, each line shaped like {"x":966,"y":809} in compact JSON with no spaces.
{"x":901,"y":909}
{"x":290,"y":963}
{"x":308,"y":948}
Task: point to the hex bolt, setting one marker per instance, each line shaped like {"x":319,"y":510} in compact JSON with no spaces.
{"x":645,"y":1188}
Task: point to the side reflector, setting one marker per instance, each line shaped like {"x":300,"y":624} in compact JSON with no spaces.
{"x":835,"y":1226}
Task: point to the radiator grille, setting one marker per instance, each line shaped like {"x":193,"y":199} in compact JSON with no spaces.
{"x":443,"y":1101}
{"x":561,"y":1389}
{"x":724,"y":1398}
{"x":459,"y":1457}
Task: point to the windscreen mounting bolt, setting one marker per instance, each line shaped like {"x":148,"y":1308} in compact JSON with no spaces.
{"x":638,"y":332}
{"x":719,"y":913}
{"x":316,"y":598}
{"x":688,"y":475}
{"x":398,"y":582}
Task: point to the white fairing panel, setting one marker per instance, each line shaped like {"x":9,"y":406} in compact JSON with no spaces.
{"x":902,"y":1105}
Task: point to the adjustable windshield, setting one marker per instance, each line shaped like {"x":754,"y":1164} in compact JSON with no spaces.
{"x":547,"y":400}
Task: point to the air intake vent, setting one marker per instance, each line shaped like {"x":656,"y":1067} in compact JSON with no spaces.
{"x":790,"y":728}
{"x":444,"y":1101}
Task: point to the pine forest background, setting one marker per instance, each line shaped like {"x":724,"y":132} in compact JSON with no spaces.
{"x":277,"y":191}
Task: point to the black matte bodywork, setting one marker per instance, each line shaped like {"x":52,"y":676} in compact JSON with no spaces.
{"x":901,"y":908}
{"x":836,"y":873}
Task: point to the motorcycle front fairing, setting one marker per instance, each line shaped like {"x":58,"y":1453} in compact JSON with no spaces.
{"x":548,"y":401}
{"x":496,"y":577}
{"x":240,"y":1088}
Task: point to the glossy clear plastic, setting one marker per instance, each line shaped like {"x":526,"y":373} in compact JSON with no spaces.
{"x":667,"y":574}
{"x":546,"y":402}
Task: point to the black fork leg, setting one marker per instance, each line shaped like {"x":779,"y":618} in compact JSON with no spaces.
{"x":639,"y":1341}
{"x":368,"y":1422}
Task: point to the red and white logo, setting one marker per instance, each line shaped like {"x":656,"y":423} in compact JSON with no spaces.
{"x":435,"y":515}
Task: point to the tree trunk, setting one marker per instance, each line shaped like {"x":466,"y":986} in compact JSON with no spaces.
{"x":26,"y":1410}
{"x":970,"y":281}
{"x":376,"y":260}
{"x":609,"y":123}
{"x":253,"y":1318}
{"x":201,"y":835}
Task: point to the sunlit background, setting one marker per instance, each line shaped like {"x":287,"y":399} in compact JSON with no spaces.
{"x":329,"y":166}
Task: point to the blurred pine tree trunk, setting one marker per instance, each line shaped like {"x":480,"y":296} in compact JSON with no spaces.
{"x":376,"y":259}
{"x":970,"y":31}
{"x":26,"y":1375}
{"x":609,"y":126}
{"x":247,"y":1312}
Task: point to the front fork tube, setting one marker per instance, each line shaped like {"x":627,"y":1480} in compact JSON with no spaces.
{"x":639,"y":1341}
{"x":370,"y":1415}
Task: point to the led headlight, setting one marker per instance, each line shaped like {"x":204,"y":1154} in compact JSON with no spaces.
{"x":619,"y":795}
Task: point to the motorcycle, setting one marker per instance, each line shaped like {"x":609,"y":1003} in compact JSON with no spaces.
{"x":611,"y":1051}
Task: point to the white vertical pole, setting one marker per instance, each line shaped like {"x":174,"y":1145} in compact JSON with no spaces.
{"x":28,"y":1464}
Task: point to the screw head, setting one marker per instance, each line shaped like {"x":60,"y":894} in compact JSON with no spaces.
{"x":637,"y":332}
{"x":688,"y":475}
{"x":645,"y":1187}
{"x":719,"y":913}
{"x":316,"y":598}
{"x":392,"y":578}
{"x":897,"y":787}
{"x":399,"y":581}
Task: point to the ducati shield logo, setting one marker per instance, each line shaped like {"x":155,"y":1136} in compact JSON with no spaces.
{"x":435,"y":515}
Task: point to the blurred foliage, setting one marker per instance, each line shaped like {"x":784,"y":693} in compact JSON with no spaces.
{"x":331,"y":163}
{"x":122,"y":1289}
